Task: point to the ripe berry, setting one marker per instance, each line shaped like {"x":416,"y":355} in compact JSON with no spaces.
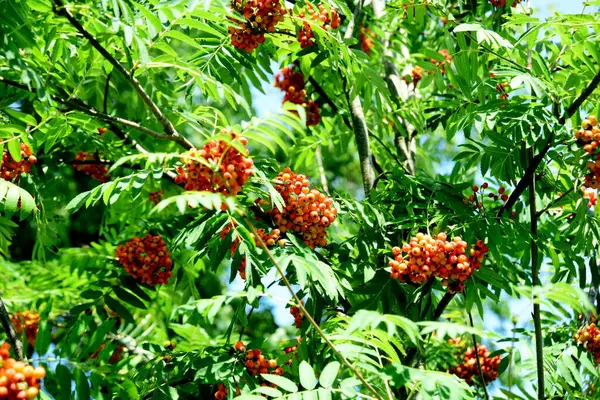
{"x":17,"y":379}
{"x":502,"y":3}
{"x":329,"y":21}
{"x":484,"y":185}
{"x":239,"y":346}
{"x":475,"y":188}
{"x":102,"y":131}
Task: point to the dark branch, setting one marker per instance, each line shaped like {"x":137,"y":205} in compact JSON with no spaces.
{"x":535,"y":162}
{"x":8,"y":327}
{"x":168,"y":127}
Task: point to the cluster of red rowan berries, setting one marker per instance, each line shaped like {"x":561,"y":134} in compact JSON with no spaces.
{"x":221,"y":393}
{"x":291,"y":81}
{"x":292,"y":349}
{"x":95,"y":170}
{"x":11,"y":170}
{"x":502,"y":3}
{"x":18,"y":380}
{"x":442,"y":64}
{"x":468,"y":368}
{"x":365,"y":37}
{"x":146,"y":259}
{"x":156,"y":197}
{"x":227,"y":168}
{"x":28,"y":322}
{"x":589,"y":337}
{"x":115,"y":356}
{"x":307,"y":211}
{"x":501,"y":88}
{"x":591,"y":196}
{"x":416,"y":75}
{"x":425,"y":256}
{"x":256,"y":363}
{"x":268,"y":238}
{"x":261,"y":16}
{"x":297,"y":314}
{"x":330,"y":20}
{"x":589,"y":138}
{"x":477,"y":191}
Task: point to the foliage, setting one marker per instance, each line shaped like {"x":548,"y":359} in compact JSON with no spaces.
{"x":408,"y":116}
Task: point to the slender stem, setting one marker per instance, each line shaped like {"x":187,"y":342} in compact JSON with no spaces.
{"x":79,"y":105}
{"x":319,"y":158}
{"x":305,"y":312}
{"x":168,"y":127}
{"x":9,"y":329}
{"x":477,"y":357}
{"x":106,"y":87}
{"x":528,"y":176}
{"x":535,"y":276}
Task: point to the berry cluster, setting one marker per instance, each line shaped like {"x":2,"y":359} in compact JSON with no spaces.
{"x":501,"y":88}
{"x":18,"y":380}
{"x":297,"y":314}
{"x":292,"y":349}
{"x":442,"y":64}
{"x":146,"y":259}
{"x":477,"y":191}
{"x":115,"y":356}
{"x":468,"y":369}
{"x":28,"y":322}
{"x":102,"y":131}
{"x":217,"y":167}
{"x":257,"y":363}
{"x":589,"y":138}
{"x":591,"y":196}
{"x":156,"y":197}
{"x":268,"y":238}
{"x":415,"y":76}
{"x":366,"y":39}
{"x":221,"y":393}
{"x":291,"y":82}
{"x":502,"y":3}
{"x":329,"y":20}
{"x":308,"y":212}
{"x":95,"y":169}
{"x":261,"y":16}
{"x":589,"y":337}
{"x":426,"y":256}
{"x":11,"y":170}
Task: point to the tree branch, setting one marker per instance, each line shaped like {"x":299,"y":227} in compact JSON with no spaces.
{"x":535,"y":277}
{"x":361,"y":132}
{"x":528,"y":176}
{"x":8,"y":327}
{"x":79,"y":105}
{"x":477,"y":357}
{"x":168,"y":127}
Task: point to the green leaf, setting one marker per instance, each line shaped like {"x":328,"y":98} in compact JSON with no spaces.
{"x":308,"y":380}
{"x":329,"y":374}
{"x":14,"y":148}
{"x":128,"y":298}
{"x":119,"y":309}
{"x":282,"y":382}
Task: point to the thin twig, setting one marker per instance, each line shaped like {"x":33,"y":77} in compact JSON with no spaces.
{"x":9,"y":329}
{"x":168,"y":127}
{"x":477,"y":357}
{"x":530,"y":171}
{"x":535,"y":277}
{"x":305,"y":312}
{"x":79,"y":105}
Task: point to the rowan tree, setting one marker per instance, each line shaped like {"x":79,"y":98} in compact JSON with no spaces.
{"x":285,"y":199}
